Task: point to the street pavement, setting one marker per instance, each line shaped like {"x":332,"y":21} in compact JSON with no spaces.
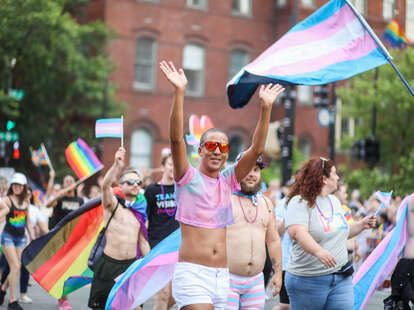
{"x":79,"y":299}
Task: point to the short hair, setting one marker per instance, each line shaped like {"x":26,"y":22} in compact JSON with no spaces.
{"x":129,"y":170}
{"x":208,"y":131}
{"x":164,"y":159}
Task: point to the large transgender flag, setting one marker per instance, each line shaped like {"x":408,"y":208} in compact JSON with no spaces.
{"x":382,"y":261}
{"x":330,"y":45}
{"x":147,"y":276}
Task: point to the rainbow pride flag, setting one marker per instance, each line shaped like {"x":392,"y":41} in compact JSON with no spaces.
{"x":39,"y":157}
{"x":58,"y":261}
{"x":147,"y":276}
{"x":109,"y":128}
{"x":382,"y":261}
{"x":330,"y":45}
{"x":394,"y":35}
{"x":82,"y":160}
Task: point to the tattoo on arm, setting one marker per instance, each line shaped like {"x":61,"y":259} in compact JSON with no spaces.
{"x":276,"y":265}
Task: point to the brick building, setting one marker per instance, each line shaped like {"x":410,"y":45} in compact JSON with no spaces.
{"x":211,"y":40}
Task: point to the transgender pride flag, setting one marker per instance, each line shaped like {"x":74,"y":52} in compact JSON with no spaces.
{"x":147,"y":276}
{"x":109,"y":128}
{"x":334,"y":43}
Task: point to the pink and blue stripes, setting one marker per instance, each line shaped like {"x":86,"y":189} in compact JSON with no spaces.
{"x":144,"y":278}
{"x":382,"y":261}
{"x":384,"y":198}
{"x":328,"y":46}
{"x":246,"y":293}
{"x":109,"y":128}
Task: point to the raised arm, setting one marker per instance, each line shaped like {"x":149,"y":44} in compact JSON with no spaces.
{"x":176,"y":130}
{"x":274,"y":247}
{"x":108,"y":199}
{"x":4,"y":207}
{"x":63,"y":192}
{"x":267,"y":94}
{"x":367,"y":222}
{"x":50,"y":183}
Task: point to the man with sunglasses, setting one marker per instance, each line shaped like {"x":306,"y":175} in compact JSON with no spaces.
{"x":247,"y":238}
{"x":125,"y":234}
{"x":201,"y":277}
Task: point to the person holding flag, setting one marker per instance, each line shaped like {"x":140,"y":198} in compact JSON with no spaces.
{"x":201,"y":277}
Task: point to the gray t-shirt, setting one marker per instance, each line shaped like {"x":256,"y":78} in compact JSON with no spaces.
{"x":329,"y":232}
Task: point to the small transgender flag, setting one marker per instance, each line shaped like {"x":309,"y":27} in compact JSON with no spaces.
{"x":109,"y":128}
{"x":332,"y":44}
{"x":384,"y":198}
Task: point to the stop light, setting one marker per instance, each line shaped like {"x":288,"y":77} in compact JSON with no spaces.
{"x":16,"y":151}
{"x":10,"y":125}
{"x":367,"y":150}
{"x":320,"y":95}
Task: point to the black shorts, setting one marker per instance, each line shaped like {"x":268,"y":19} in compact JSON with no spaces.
{"x":283,"y":296}
{"x":107,"y":270}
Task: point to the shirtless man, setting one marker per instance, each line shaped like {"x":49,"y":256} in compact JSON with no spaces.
{"x":122,"y":235}
{"x":201,"y":277}
{"x":254,"y":227}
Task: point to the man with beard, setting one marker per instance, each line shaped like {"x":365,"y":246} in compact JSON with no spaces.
{"x":125,"y":234}
{"x":254,"y":228}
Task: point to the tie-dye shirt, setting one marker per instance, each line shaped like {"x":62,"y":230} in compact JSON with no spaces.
{"x":203,"y":201}
{"x":16,"y":221}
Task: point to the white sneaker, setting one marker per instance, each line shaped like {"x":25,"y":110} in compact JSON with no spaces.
{"x":25,"y":299}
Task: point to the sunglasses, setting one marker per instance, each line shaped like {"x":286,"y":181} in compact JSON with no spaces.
{"x":211,"y":146}
{"x":132,"y":182}
{"x":323,"y":159}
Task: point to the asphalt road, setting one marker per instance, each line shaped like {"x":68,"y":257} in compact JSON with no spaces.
{"x":79,"y":299}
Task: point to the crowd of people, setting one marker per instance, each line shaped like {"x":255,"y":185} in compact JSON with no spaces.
{"x":304,"y":240}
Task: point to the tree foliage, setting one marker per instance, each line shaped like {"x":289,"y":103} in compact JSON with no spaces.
{"x":61,"y":66}
{"x":394,"y":129}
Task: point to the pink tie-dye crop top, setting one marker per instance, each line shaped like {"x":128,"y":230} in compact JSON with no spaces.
{"x":203,"y":201}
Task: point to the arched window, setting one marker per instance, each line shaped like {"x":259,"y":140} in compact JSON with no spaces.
{"x":193,"y":65}
{"x":145,"y":60}
{"x":238,"y":59}
{"x":141,"y":148}
{"x":236,"y":146}
{"x":304,"y":146}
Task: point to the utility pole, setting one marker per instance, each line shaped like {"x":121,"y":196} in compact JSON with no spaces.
{"x":332,"y":124}
{"x":288,"y":101}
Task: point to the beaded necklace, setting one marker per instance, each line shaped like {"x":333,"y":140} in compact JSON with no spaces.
{"x":329,"y":218}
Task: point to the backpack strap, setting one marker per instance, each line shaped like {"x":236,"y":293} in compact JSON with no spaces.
{"x":110,"y":218}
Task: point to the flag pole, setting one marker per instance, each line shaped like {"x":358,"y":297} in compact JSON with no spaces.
{"x":122,"y":137}
{"x":47,"y":155}
{"x":380,"y":45}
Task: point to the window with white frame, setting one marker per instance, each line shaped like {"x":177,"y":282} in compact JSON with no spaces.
{"x":236,"y":143}
{"x":388,"y":7}
{"x":242,"y":7}
{"x":238,"y":59}
{"x":361,"y":6}
{"x":141,"y":149}
{"x":193,"y":65}
{"x":305,"y":146}
{"x":304,"y":94}
{"x":145,"y":59}
{"x":308,"y":3}
{"x":409,"y":19}
{"x":197,"y":4}
{"x":281,"y":3}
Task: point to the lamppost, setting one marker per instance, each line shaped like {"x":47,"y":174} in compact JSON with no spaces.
{"x":288,"y":100}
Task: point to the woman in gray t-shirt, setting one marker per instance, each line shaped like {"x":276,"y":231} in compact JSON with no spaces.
{"x":318,"y":275}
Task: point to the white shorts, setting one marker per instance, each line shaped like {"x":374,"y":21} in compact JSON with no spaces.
{"x":198,"y":284}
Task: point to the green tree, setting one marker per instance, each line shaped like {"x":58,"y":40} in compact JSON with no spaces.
{"x":395,"y":128}
{"x":61,"y":66}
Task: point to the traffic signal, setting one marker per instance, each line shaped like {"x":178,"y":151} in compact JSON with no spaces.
{"x":320,"y":95}
{"x":367,"y":150}
{"x":16,"y":151}
{"x":10,"y":125}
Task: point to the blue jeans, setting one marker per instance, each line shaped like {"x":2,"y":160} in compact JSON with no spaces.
{"x":329,"y":292}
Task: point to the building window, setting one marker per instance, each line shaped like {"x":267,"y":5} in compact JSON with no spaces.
{"x":141,"y":149}
{"x":305,"y":146}
{"x":193,"y":65}
{"x":242,"y":7}
{"x":304,"y":95}
{"x":238,"y":59}
{"x":308,"y":3}
{"x":388,"y":7}
{"x":236,"y":147}
{"x":145,"y":60}
{"x":197,"y":4}
{"x":281,"y":3}
{"x":361,"y":6}
{"x":409,"y":19}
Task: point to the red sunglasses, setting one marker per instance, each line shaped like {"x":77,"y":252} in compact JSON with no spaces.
{"x":211,"y":146}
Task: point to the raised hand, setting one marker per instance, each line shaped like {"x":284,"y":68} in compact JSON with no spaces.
{"x":120,"y":157}
{"x":269,"y":93}
{"x":176,"y":78}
